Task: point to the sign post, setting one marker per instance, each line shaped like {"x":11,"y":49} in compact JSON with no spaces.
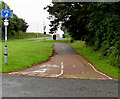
{"x":6,"y":13}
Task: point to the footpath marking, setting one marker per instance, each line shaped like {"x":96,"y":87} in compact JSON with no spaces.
{"x":99,"y":71}
{"x":23,"y":73}
{"x":49,"y":65}
{"x":41,"y":70}
{"x":62,"y":67}
{"x":74,"y":66}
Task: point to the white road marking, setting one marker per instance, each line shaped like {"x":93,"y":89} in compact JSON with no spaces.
{"x":41,"y":70}
{"x":43,"y":66}
{"x":24,"y":73}
{"x":74,"y":66}
{"x":48,"y":65}
{"x":99,"y":71}
{"x":62,"y":67}
{"x":13,"y":73}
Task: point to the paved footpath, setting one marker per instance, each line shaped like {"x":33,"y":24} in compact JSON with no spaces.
{"x":65,"y":63}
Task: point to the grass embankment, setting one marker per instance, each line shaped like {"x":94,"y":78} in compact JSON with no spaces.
{"x":95,"y":57}
{"x":26,"y":53}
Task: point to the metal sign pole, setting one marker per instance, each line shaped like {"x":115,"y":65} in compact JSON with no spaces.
{"x":6,"y":13}
{"x":6,"y":48}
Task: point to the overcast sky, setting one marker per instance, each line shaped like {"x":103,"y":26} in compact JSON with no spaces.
{"x":32,"y":12}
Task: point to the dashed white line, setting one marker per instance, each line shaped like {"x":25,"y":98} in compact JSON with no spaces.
{"x":99,"y":71}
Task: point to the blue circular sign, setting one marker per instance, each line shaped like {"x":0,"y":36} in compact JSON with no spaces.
{"x":6,"y":13}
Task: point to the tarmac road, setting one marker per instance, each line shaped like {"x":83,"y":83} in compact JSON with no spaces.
{"x":19,"y":86}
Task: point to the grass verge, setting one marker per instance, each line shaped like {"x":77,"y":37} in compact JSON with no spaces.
{"x":25,"y":53}
{"x":95,"y":57}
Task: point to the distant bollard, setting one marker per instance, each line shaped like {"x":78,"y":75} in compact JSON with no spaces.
{"x":44,"y":33}
{"x":54,"y":37}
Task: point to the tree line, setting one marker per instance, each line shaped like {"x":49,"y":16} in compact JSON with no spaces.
{"x":98,"y":24}
{"x":17,"y":26}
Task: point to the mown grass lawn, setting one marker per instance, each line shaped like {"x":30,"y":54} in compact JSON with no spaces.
{"x":25,"y":53}
{"x":100,"y":62}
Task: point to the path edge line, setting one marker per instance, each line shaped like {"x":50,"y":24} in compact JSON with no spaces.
{"x":99,"y":71}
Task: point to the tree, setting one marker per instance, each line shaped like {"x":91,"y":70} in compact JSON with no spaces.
{"x":16,"y":25}
{"x":98,"y":24}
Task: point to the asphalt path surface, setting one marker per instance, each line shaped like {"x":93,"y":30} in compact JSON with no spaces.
{"x":18,"y":86}
{"x":63,"y":48}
